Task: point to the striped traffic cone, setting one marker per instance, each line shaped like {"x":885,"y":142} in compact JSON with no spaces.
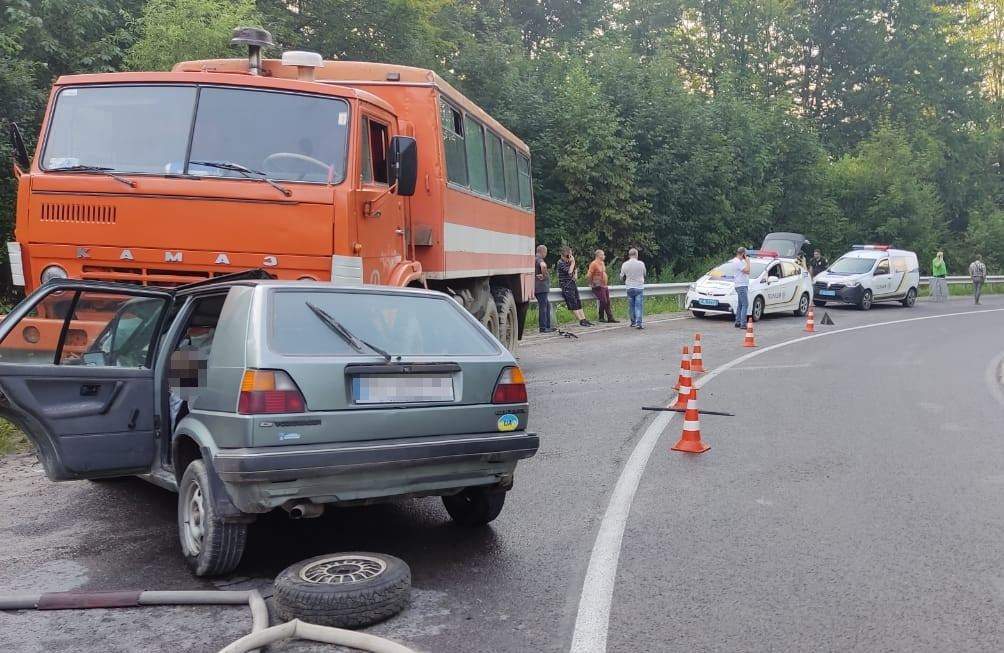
{"x":810,"y":321}
{"x":696,"y":361}
{"x":690,"y":440}
{"x":749,"y":341}
{"x":684,"y":386}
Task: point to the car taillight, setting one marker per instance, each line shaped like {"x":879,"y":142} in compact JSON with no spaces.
{"x":269,"y":391}
{"x":510,"y":388}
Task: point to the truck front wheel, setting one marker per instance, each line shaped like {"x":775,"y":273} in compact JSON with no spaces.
{"x":508,"y":317}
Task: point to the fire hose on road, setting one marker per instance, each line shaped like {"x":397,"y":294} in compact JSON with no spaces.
{"x":260,"y":635}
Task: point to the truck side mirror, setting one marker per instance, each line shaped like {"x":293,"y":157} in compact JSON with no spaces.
{"x":404,"y":164}
{"x":17,"y":144}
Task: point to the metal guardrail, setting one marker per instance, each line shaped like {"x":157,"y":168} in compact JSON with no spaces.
{"x":680,"y":289}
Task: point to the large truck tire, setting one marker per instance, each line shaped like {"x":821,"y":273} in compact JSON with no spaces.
{"x":508,"y":317}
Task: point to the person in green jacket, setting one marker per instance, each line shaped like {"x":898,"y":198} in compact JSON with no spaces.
{"x":939,"y":282}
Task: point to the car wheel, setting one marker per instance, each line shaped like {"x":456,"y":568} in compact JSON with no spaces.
{"x":757,"y":311}
{"x":911,"y":298}
{"x":698,"y":313}
{"x":508,"y":317}
{"x":474,"y":506}
{"x":210,"y":545}
{"x":803,"y":305}
{"x":819,"y":302}
{"x":866,"y":300}
{"x":344,"y":590}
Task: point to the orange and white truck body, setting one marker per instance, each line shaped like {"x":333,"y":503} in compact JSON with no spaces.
{"x":327,"y":212}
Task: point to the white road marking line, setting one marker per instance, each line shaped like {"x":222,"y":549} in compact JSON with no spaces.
{"x":751,"y":368}
{"x":592,"y":622}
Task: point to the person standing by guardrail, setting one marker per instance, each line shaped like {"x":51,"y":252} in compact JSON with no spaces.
{"x":741,"y":280}
{"x":569,"y":291}
{"x":978,"y":273}
{"x":633,"y":275}
{"x":597,"y":275}
{"x":939,"y":283}
{"x":541,"y":287}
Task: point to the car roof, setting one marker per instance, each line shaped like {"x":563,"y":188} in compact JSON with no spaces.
{"x":877,"y":253}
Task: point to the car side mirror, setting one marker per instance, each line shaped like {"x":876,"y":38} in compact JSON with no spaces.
{"x":771,"y":279}
{"x":17,"y":145}
{"x":404,"y":164}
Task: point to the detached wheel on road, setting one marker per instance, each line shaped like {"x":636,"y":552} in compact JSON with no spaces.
{"x":757,"y":311}
{"x":211,"y":546}
{"x":474,"y":506}
{"x":803,"y":305}
{"x":866,"y":300}
{"x":911,"y":298}
{"x":345,"y":590}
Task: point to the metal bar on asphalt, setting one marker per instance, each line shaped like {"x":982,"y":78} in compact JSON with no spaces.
{"x":683,"y":410}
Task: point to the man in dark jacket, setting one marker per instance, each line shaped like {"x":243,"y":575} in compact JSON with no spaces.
{"x":817,"y":263}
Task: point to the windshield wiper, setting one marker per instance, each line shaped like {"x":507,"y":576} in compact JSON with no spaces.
{"x":346,"y":335}
{"x":247,"y":172}
{"x":98,"y":169}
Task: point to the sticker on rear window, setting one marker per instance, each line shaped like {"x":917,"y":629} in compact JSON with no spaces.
{"x":508,"y":422}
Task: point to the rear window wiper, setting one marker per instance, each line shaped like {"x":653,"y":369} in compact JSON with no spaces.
{"x":102,"y":170}
{"x":244,"y":170}
{"x":336,"y":326}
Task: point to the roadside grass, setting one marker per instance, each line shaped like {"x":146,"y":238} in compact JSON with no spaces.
{"x":12,"y":440}
{"x":963,"y":289}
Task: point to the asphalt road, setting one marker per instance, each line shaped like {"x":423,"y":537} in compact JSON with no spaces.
{"x":852,"y":504}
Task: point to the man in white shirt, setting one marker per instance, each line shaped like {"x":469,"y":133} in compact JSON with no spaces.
{"x":633,"y":276}
{"x":741,"y":279}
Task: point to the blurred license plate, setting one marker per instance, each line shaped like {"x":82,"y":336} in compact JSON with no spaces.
{"x":402,"y":389}
{"x":708,"y":302}
{"x":828,"y":293}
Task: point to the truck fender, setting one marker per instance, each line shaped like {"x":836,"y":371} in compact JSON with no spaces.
{"x":405,"y":273}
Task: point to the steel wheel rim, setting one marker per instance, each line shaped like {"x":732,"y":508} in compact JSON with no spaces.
{"x":343,"y":570}
{"x":194,"y":519}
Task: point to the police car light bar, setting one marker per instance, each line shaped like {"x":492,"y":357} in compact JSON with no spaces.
{"x":879,"y":247}
{"x":762,"y":253}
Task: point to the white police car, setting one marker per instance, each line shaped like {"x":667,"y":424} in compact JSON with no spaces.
{"x":869,"y":274}
{"x":776,"y":285}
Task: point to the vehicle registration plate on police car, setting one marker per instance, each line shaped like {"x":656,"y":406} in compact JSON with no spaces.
{"x":402,"y":389}
{"x":828,"y":293}
{"x":708,"y":302}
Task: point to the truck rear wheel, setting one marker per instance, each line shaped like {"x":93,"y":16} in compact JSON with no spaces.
{"x":508,"y":317}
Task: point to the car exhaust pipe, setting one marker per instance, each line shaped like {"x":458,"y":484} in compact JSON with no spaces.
{"x":304,"y":510}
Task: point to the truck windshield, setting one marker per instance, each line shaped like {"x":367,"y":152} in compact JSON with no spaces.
{"x":147,"y":129}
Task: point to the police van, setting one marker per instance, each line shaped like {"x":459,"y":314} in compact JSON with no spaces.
{"x":869,"y":274}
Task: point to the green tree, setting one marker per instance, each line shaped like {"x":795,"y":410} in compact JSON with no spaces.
{"x":178,"y":30}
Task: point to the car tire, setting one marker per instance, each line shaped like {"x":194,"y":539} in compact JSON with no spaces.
{"x":508,"y":317}
{"x":803,"y":305}
{"x":474,"y":506}
{"x":911,"y":298}
{"x":209,"y":545}
{"x":698,"y":313}
{"x":865,"y":302}
{"x":819,"y":302}
{"x":343,"y":590}
{"x":757,"y":308}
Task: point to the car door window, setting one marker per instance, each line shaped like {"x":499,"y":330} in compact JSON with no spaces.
{"x":374,"y":151}
{"x":789,"y":269}
{"x":85,"y":327}
{"x":882,"y":267}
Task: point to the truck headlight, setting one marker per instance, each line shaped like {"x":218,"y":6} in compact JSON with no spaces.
{"x":53,"y":272}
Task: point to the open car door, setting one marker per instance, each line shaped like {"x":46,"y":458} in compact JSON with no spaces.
{"x":75,"y":375}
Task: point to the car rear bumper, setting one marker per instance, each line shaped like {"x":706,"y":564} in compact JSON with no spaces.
{"x":259,"y":479}
{"x":284,"y":463}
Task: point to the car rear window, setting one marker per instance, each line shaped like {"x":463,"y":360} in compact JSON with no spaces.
{"x":398,"y":324}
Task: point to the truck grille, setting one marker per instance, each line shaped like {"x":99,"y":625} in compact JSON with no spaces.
{"x":146,"y":276}
{"x":78,"y":213}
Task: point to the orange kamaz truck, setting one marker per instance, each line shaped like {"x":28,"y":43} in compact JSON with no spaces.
{"x":337,"y":171}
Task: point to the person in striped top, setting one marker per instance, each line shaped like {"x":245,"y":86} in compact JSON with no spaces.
{"x":978,"y":273}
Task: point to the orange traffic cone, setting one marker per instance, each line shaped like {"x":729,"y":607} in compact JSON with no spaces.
{"x":684,"y":386}
{"x":696,"y":361}
{"x":810,"y":321}
{"x":690,"y":441}
{"x":749,"y":341}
